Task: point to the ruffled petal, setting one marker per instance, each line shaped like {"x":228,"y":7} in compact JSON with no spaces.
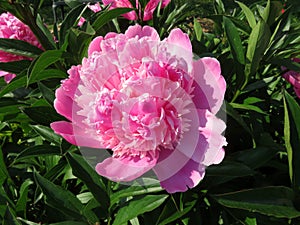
{"x":141,"y":32}
{"x":209,"y":84}
{"x":126,"y":168}
{"x":95,"y":45}
{"x":209,"y":149}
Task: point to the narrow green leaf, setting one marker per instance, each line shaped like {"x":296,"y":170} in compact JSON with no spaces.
{"x":47,"y":93}
{"x":10,"y":218}
{"x":229,"y":169}
{"x":248,"y":107}
{"x":42,"y":114}
{"x":47,"y":133}
{"x":69,"y":223}
{"x":256,"y":157}
{"x":22,"y":201}
{"x":21,"y":79}
{"x":71,"y":20}
{"x":236,"y":116}
{"x":15,"y":67}
{"x":248,"y":13}
{"x":19,"y":47}
{"x":294,"y":124}
{"x":258,"y":42}
{"x":270,"y":201}
{"x":46,"y":59}
{"x":266,"y":12}
{"x":287,"y":139}
{"x":234,"y":40}
{"x":138,"y":207}
{"x":47,"y":74}
{"x":134,"y":191}
{"x":168,"y":219}
{"x":198,"y":30}
{"x":107,"y":16}
{"x":38,"y":150}
{"x":82,"y":170}
{"x":60,"y":198}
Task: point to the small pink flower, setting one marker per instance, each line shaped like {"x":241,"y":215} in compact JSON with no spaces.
{"x":293,"y":78}
{"x":148,"y":11}
{"x":12,"y":27}
{"x":148,"y":101}
{"x":95,"y":8}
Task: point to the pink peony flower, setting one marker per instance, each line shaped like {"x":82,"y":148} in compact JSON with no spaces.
{"x":150,"y":103}
{"x":12,"y":27}
{"x":293,"y":78}
{"x":148,"y":11}
{"x":95,"y":8}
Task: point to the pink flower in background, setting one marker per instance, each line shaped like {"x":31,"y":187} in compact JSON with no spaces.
{"x":293,"y":77}
{"x":95,"y":8}
{"x":11,"y":27}
{"x":148,"y":11}
{"x":148,"y":101}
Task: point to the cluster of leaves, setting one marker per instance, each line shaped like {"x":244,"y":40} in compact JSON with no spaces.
{"x":44,"y":179}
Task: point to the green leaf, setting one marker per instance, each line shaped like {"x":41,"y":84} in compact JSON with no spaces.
{"x":234,"y":40}
{"x":248,"y":107}
{"x":60,"y":198}
{"x":266,"y":12}
{"x":292,"y":123}
{"x":71,"y":20}
{"x":42,"y":114}
{"x":22,"y":201}
{"x":19,"y":47}
{"x":198,"y":30}
{"x":69,"y":223}
{"x":84,"y":171}
{"x":46,"y":59}
{"x":47,"y":93}
{"x":236,"y":116}
{"x":10,"y":218}
{"x":38,"y":150}
{"x":21,"y":79}
{"x":48,"y":74}
{"x":287,"y":139}
{"x":170,"y":213}
{"x":270,"y":201}
{"x":15,"y":67}
{"x":248,"y":13}
{"x":256,"y":157}
{"x":134,"y":191}
{"x":47,"y":133}
{"x":107,"y":16}
{"x":138,"y":207}
{"x":229,"y":169}
{"x":258,"y":42}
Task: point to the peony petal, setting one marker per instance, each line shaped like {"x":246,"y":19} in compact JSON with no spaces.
{"x":122,"y":4}
{"x":126,"y":168}
{"x":95,"y":45}
{"x":141,"y":32}
{"x":65,"y":129}
{"x":149,"y":9}
{"x":75,"y":135}
{"x":293,"y":78}
{"x":188,"y":176}
{"x":177,"y":37}
{"x":210,"y":86}
{"x":212,"y":132}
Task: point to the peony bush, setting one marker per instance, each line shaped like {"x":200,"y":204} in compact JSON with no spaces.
{"x":150,"y":112}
